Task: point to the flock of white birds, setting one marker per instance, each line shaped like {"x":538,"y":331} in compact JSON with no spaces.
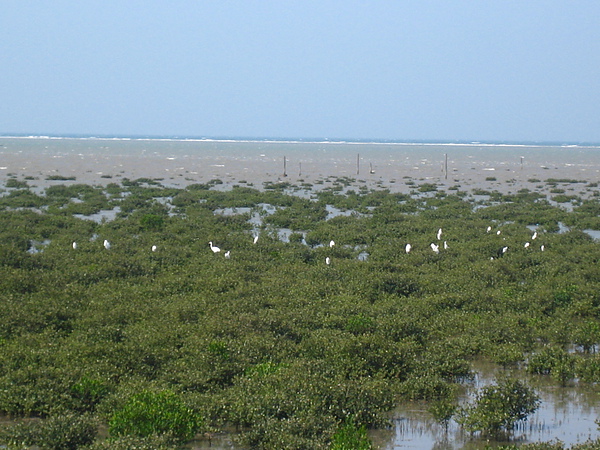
{"x":434,"y":247}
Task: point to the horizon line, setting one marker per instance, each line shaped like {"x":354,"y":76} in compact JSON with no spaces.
{"x":311,"y":140}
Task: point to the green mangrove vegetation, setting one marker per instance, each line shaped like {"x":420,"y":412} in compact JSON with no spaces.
{"x":296,"y":342}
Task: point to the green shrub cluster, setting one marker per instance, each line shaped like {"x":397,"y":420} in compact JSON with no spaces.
{"x":60,"y":432}
{"x":149,"y":413}
{"x":499,"y":407}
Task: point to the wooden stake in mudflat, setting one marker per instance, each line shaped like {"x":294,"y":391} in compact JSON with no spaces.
{"x":357,"y":163}
{"x":299,"y":169}
{"x":446,"y":165}
{"x":284,"y":167}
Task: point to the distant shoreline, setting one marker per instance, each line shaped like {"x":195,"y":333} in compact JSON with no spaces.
{"x":305,"y":140}
{"x":398,"y":167}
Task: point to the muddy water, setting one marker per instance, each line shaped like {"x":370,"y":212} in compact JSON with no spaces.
{"x":566,"y":413}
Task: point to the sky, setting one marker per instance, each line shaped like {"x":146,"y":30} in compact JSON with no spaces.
{"x":408,"y":70}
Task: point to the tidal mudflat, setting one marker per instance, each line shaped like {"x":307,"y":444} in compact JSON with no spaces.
{"x":393,"y":166}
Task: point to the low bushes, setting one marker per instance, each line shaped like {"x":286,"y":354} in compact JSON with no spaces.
{"x":160,"y":345}
{"x":149,"y":413}
{"x":498,"y":407}
{"x":60,"y":432}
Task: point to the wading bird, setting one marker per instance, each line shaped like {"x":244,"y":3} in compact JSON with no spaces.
{"x":331,"y":243}
{"x":74,"y":245}
{"x":255,"y":239}
{"x":228,"y":254}
{"x":154,"y":248}
{"x":106,"y":244}
{"x":435,"y":248}
{"x":328,"y":260}
{"x":408,"y":248}
{"x":439,"y":234}
{"x":501,"y":251}
{"x":213,"y":248}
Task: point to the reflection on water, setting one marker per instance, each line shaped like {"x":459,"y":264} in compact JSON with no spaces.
{"x":594,"y":234}
{"x":37,"y":246}
{"x":567,"y":414}
{"x":102,"y":216}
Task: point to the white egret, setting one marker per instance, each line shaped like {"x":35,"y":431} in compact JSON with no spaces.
{"x":331,"y":243}
{"x":408,"y":248}
{"x":526,"y":244}
{"x":228,"y":254}
{"x":74,"y":245}
{"x":439,"y":234}
{"x":489,"y":228}
{"x":213,"y":248}
{"x":154,"y":248}
{"x":255,"y":239}
{"x":498,"y":232}
{"x":445,"y":245}
{"x":542,"y":247}
{"x":534,"y":235}
{"x":501,"y":251}
{"x":106,"y":244}
{"x":435,"y":248}
{"x":328,"y":260}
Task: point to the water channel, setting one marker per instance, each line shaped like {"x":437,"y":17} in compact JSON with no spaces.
{"x":566,"y":414}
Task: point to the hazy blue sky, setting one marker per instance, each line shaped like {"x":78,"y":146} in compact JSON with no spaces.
{"x":407,"y":70}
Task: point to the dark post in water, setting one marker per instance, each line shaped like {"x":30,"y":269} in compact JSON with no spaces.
{"x":446,"y":165}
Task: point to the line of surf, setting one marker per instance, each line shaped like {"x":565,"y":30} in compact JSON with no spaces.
{"x":300,"y":141}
